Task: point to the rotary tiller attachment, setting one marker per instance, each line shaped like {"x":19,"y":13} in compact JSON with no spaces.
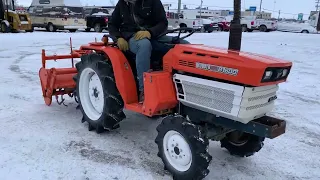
{"x":58,"y":81}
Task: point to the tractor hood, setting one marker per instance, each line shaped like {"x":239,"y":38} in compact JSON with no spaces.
{"x":219,"y":63}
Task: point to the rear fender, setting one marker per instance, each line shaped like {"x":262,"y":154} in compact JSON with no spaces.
{"x":122,"y":72}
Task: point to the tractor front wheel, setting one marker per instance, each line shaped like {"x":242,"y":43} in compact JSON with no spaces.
{"x":99,"y":99}
{"x":242,"y":144}
{"x":183,"y":148}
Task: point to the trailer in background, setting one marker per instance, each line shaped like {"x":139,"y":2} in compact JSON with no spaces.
{"x":60,"y":14}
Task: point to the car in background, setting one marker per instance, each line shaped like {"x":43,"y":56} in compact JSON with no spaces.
{"x":222,"y":21}
{"x":97,"y":18}
{"x":296,"y":27}
{"x":249,"y":23}
{"x":264,"y":25}
{"x":209,"y":26}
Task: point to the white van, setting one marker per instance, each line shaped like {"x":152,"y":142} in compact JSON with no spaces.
{"x":57,"y":14}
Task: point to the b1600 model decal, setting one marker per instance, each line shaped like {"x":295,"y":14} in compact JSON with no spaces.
{"x":220,"y":69}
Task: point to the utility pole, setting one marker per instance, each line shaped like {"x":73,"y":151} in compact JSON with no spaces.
{"x":317,"y":4}
{"x":201,"y":8}
{"x":261,"y":5}
{"x":179,"y":6}
{"x":260,"y":9}
{"x":279,"y":15}
{"x":235,"y":33}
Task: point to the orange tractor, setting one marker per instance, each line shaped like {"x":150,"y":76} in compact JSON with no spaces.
{"x":204,"y":93}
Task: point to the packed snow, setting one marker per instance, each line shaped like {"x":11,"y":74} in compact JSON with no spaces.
{"x":40,"y":142}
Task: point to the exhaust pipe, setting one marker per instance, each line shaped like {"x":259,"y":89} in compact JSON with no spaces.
{"x":235,"y":34}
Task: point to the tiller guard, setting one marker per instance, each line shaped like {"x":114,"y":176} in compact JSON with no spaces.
{"x":59,"y":81}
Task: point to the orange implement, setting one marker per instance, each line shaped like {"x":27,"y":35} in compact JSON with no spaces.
{"x":55,"y":82}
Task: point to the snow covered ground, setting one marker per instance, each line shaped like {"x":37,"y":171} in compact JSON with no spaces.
{"x":41,"y":142}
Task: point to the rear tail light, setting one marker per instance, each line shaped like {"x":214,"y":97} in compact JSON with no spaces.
{"x":211,"y":25}
{"x":194,"y":23}
{"x":106,"y":20}
{"x":252,"y":22}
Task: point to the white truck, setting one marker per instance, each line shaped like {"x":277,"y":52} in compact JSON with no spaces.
{"x":176,"y":20}
{"x":264,"y":25}
{"x":249,"y":23}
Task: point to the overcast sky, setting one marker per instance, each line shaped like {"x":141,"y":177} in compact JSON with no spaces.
{"x":289,"y":8}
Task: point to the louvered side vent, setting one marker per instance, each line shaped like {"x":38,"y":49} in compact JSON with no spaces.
{"x":165,"y":66}
{"x":186,"y":63}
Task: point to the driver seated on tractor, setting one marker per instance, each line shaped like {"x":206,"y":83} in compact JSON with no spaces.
{"x":137,"y":24}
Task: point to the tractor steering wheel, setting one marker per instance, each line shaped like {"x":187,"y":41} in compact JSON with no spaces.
{"x":176,"y":39}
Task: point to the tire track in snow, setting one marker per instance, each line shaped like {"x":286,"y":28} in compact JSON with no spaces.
{"x":86,"y":150}
{"x":16,"y":68}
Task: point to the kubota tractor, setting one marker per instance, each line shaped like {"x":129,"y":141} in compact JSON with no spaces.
{"x":204,"y":93}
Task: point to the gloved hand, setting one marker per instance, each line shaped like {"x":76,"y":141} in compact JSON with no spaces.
{"x":142,"y":34}
{"x":123,"y":44}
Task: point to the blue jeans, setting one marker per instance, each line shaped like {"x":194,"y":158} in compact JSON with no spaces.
{"x":143,"y":49}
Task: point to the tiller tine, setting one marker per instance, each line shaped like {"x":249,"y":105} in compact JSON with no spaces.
{"x":57,"y":81}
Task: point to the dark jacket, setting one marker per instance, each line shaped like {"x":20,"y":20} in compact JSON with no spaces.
{"x":150,"y":13}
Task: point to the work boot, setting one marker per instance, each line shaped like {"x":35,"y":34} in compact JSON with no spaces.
{"x":141,"y":97}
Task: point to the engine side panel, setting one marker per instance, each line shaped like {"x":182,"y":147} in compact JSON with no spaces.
{"x":234,"y":102}
{"x":159,"y":92}
{"x":242,"y":68}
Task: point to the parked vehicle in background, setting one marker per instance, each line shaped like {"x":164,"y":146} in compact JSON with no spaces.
{"x":209,"y":26}
{"x":249,"y":23}
{"x":295,"y":27}
{"x":264,"y":25}
{"x":177,"y":20}
{"x":97,"y":18}
{"x":13,"y":20}
{"x":173,"y":20}
{"x":191,"y":23}
{"x":63,"y":15}
{"x":222,"y":21}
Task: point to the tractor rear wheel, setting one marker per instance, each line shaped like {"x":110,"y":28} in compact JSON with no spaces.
{"x":99,"y":99}
{"x":183,"y":148}
{"x":242,"y":144}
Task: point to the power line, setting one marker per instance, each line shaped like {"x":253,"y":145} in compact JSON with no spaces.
{"x":284,"y":12}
